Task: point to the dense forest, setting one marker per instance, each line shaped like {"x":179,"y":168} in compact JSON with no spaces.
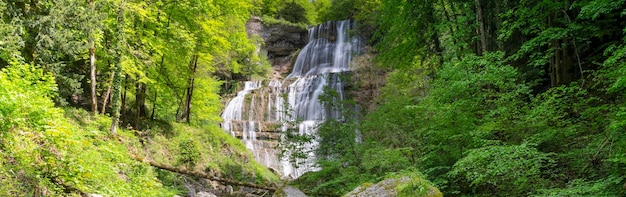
{"x":488,"y":98}
{"x":482,"y":98}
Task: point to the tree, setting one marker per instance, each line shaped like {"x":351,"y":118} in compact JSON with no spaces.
{"x":117,"y":79}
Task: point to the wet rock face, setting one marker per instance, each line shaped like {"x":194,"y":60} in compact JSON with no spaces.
{"x":367,"y":80}
{"x":280,"y":42}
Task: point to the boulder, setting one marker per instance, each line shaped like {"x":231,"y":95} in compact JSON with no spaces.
{"x":397,"y":186}
{"x":288,"y":191}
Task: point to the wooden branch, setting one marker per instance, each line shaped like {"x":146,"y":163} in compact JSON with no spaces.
{"x":203,"y":175}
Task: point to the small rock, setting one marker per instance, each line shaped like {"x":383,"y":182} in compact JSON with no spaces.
{"x":229,"y":189}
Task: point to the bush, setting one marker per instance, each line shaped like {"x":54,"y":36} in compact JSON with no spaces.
{"x":188,"y":153}
{"x":294,"y":13}
{"x":506,"y":170}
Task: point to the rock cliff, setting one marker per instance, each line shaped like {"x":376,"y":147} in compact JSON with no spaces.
{"x":280,"y":42}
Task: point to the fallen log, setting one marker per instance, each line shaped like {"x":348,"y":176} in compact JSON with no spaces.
{"x":203,"y":175}
{"x":218,"y":179}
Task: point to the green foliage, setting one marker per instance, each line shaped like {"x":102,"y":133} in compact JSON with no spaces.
{"x":51,"y":155}
{"x":207,"y":149}
{"x":516,"y":170}
{"x":489,"y":98}
{"x":578,"y":187}
{"x":293,"y":12}
{"x":329,"y":10}
{"x":23,"y":82}
{"x":416,"y":186}
{"x":188,"y":153}
{"x":272,"y":21}
{"x":53,"y":152}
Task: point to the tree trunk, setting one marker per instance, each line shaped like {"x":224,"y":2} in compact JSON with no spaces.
{"x":480,"y":17}
{"x":92,"y":64}
{"x":117,"y":82}
{"x":434,"y":35}
{"x":187,"y":108}
{"x":108,"y":92}
{"x":140,"y":100}
{"x":123,"y":107}
{"x":450,"y":27}
{"x":154,"y":104}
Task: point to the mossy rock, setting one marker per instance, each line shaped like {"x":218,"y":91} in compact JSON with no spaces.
{"x":288,"y":191}
{"x":410,"y":184}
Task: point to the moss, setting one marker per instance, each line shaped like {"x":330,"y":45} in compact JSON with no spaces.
{"x":416,"y":185}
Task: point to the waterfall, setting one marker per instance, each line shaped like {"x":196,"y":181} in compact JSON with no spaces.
{"x":318,"y":66}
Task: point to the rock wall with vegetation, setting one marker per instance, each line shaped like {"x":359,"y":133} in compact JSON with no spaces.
{"x":279,"y":42}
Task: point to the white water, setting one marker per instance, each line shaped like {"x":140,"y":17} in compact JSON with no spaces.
{"x":317,"y":66}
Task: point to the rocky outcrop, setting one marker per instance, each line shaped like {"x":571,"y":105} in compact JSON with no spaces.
{"x":367,"y":79}
{"x":398,"y":186}
{"x":280,"y":43}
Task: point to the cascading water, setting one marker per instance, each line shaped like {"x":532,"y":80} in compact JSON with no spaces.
{"x":258,"y":115}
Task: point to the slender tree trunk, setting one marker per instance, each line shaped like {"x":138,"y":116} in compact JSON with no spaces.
{"x":434,"y":35}
{"x":187,"y":108}
{"x":154,"y":105}
{"x":92,"y":64}
{"x":448,"y":18}
{"x":480,"y":17}
{"x":124,"y":93}
{"x":117,"y":81}
{"x":557,"y":63}
{"x":140,"y":100}
{"x":107,"y":93}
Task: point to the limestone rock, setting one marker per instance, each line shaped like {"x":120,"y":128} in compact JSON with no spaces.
{"x":288,"y":191}
{"x":279,"y":43}
{"x":399,"y":186}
